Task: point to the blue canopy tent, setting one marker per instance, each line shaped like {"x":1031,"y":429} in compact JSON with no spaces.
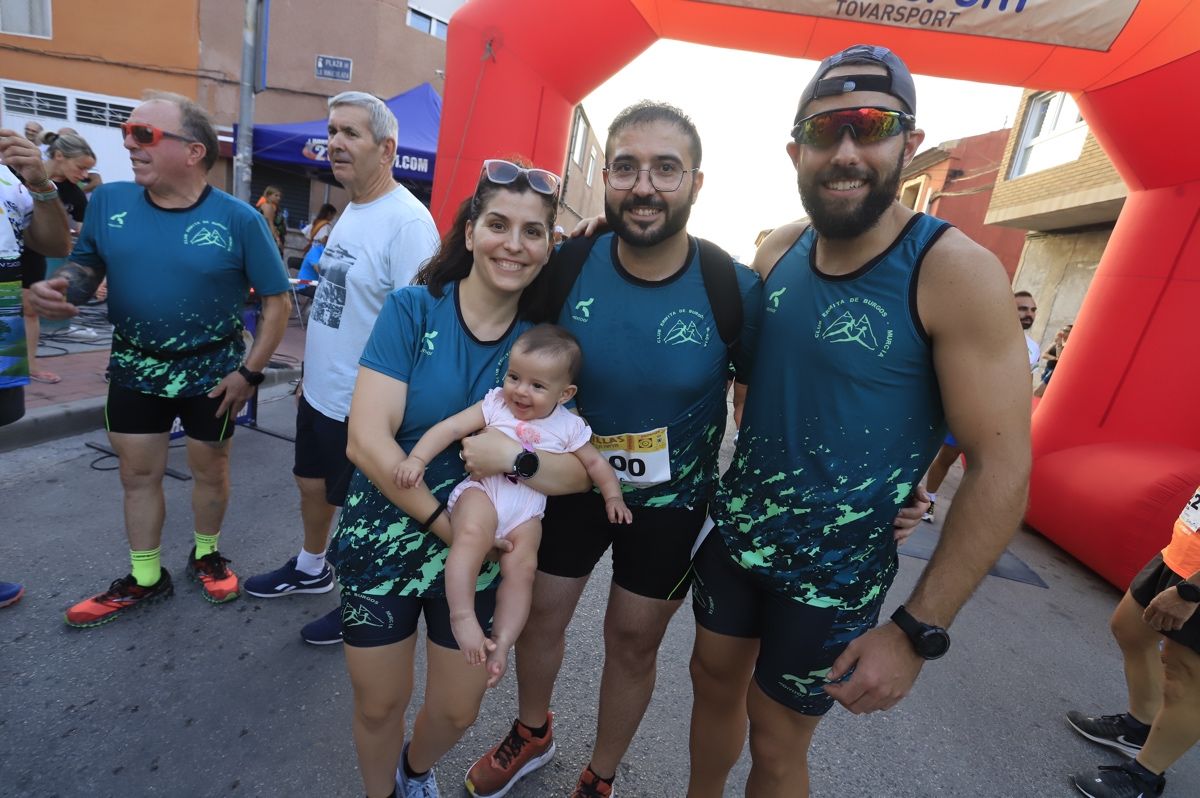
{"x":304,"y":145}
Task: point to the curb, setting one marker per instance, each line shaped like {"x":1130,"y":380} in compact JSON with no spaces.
{"x":85,"y":415}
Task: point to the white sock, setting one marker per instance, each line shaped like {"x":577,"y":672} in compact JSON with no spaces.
{"x":311,"y":564}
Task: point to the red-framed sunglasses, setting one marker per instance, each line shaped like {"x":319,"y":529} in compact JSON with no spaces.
{"x":149,"y":135}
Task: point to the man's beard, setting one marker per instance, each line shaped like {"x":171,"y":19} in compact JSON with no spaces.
{"x":835,"y":223}
{"x":674,"y":220}
{"x":1026,"y":324}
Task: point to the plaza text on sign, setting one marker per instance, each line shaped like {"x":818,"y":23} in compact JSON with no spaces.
{"x":332,"y":67}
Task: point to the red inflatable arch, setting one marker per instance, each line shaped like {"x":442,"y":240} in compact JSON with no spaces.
{"x":1117,"y":438}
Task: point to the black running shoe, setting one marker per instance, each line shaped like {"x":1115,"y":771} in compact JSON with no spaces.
{"x":1118,"y":732}
{"x":1119,"y":781}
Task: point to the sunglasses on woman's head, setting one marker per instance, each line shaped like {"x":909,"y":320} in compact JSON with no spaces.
{"x":867,"y":125}
{"x":149,"y":135}
{"x":504,"y":172}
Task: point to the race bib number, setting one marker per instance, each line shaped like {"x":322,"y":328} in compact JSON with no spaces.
{"x":639,"y":458}
{"x":1190,"y":517}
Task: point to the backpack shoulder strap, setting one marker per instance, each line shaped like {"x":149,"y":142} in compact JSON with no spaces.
{"x":721,"y":285}
{"x":566,"y":265}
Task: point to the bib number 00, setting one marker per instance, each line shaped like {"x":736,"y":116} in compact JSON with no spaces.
{"x":639,"y":458}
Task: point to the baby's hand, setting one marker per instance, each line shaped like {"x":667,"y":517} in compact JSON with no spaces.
{"x":408,"y":473}
{"x":618,"y":511}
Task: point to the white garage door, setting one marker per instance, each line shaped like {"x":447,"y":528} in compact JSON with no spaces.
{"x":95,"y":116}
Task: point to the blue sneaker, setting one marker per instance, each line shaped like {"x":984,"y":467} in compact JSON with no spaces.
{"x":10,"y":593}
{"x":324,"y":631}
{"x":411,"y":788}
{"x":288,"y":579}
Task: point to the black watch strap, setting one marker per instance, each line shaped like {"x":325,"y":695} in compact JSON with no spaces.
{"x":1188,"y":591}
{"x":929,"y":641}
{"x":252,"y":377}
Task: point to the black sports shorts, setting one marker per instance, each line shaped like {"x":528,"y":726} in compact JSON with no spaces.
{"x":132,"y":412}
{"x":369,"y":621}
{"x":798,"y":643}
{"x":1154,"y":579}
{"x":651,"y":556}
{"x":321,"y":451}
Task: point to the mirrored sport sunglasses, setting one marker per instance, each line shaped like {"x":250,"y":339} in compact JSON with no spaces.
{"x":149,"y":135}
{"x":868,"y":125}
{"x":504,"y":172}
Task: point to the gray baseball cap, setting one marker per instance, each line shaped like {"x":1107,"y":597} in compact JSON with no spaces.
{"x":897,"y":82}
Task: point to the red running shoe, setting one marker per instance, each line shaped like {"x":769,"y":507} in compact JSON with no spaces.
{"x":122,"y":595}
{"x":219,"y":582}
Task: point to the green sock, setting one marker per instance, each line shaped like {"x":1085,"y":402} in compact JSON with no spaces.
{"x":146,"y":566}
{"x":206,"y":544}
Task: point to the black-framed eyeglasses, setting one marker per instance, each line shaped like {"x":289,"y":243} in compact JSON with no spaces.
{"x":149,"y":135}
{"x":868,"y":125}
{"x":666,"y":176}
{"x":503,"y":172}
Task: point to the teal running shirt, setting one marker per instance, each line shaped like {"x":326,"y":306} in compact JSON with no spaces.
{"x":418,"y":339}
{"x":177,"y":281}
{"x":843,"y":416}
{"x":654,"y":373}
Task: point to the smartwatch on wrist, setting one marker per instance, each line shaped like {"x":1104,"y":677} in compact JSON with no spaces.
{"x":526,"y":464}
{"x":929,"y":641}
{"x":1188,"y":592}
{"x":252,"y":377}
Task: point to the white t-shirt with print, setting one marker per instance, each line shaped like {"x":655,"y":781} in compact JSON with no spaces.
{"x":374,"y":249}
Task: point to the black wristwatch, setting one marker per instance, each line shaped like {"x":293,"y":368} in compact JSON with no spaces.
{"x":929,"y":641}
{"x":526,"y":464}
{"x":1188,"y":592}
{"x":252,"y":377}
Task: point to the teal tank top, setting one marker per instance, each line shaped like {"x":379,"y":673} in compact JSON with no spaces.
{"x":842,"y":418}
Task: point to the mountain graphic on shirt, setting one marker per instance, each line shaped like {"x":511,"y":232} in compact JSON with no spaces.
{"x":847,"y":328}
{"x":209,"y":237}
{"x":684,"y":332}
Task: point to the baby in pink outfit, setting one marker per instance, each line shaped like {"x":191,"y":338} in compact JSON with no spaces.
{"x":529,"y":409}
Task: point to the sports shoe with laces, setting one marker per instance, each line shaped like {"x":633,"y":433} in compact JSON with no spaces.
{"x":928,"y":516}
{"x":122,"y":595}
{"x":1119,"y":781}
{"x":324,"y":631}
{"x":591,"y":786}
{"x":412,"y":788}
{"x":289,"y":579}
{"x":218,"y":582}
{"x":1114,"y":731}
{"x":510,"y":760}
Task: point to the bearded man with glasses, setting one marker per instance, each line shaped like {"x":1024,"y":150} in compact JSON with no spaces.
{"x":180,"y":257}
{"x":885,"y":327}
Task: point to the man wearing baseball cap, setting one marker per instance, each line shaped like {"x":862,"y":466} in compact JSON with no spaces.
{"x":909,"y":325}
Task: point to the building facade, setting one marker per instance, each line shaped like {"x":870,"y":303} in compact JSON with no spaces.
{"x":1057,"y":183}
{"x":954,"y":181}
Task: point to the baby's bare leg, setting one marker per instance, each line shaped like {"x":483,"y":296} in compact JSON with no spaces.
{"x":473,"y":522}
{"x":513,"y":598}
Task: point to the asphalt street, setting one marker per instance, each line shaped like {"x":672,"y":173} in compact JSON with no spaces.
{"x":188,"y":699}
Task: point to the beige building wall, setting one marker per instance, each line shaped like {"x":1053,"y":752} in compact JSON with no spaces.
{"x":584,"y":159}
{"x":1070,"y":210}
{"x":1057,"y":268}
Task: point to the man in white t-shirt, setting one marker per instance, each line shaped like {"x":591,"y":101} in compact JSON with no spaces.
{"x":1027,"y":312}
{"x":384,"y":236}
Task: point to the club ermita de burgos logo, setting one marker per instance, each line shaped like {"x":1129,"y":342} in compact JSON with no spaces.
{"x":855,"y":320}
{"x":684,"y":326}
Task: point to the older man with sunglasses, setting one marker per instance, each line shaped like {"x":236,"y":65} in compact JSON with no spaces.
{"x":180,"y":257}
{"x":883,"y":327}
{"x":384,"y":235}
